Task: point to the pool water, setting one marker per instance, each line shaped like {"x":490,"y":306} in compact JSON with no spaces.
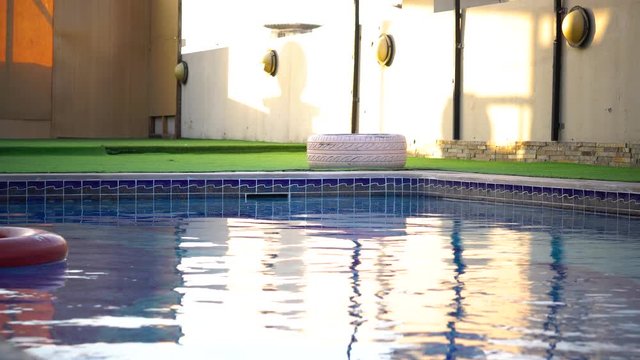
{"x":389,"y":277}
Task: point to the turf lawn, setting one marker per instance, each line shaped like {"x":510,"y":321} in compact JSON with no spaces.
{"x":158,"y":155}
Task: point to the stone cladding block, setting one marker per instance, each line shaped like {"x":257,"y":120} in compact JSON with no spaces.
{"x":583,"y":152}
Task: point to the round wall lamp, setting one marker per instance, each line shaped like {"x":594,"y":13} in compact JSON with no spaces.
{"x":181,"y":72}
{"x":576,"y":26}
{"x":386,"y":50}
{"x":270,"y":62}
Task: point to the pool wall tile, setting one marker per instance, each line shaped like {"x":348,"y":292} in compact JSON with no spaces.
{"x":362,"y":185}
{"x":624,"y":197}
{"x":126,"y":187}
{"x":406,"y":184}
{"x":109,"y":187}
{"x":231,"y":188}
{"x":345,"y":184}
{"x":281,"y":185}
{"x":197,"y":186}
{"x":329,"y":185}
{"x":413,"y":184}
{"x":35,"y":188}
{"x":176,"y":196}
{"x":56,"y":188}
{"x":72,"y":188}
{"x":107,"y":192}
{"x":314,"y":185}
{"x":180,"y":186}
{"x":297,"y":185}
{"x":145,"y":187}
{"x":265,"y":186}
{"x":214,"y":186}
{"x":247,"y":186}
{"x":390,"y":185}
{"x":634,"y":204}
{"x":421,"y":185}
{"x":161,"y":187}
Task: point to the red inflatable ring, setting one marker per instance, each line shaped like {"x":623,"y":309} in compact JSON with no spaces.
{"x":24,"y":246}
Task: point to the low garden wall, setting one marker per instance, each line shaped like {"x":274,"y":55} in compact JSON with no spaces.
{"x":611,"y":154}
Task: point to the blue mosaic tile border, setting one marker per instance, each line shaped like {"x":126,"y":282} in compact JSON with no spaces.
{"x":611,"y":202}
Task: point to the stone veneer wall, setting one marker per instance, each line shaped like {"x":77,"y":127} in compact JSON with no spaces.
{"x":611,"y":154}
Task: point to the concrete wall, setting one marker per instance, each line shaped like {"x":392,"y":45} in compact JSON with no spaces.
{"x":507,"y":76}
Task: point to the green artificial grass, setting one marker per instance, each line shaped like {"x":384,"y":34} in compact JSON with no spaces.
{"x":190,"y":155}
{"x":540,"y":169}
{"x":140,"y":146}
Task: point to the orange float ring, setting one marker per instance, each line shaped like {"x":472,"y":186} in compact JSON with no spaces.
{"x":24,"y":246}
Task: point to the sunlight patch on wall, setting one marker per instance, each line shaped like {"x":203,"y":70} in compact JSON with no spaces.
{"x":409,"y":97}
{"x":498,"y":54}
{"x":509,"y":123}
{"x":546,"y":31}
{"x":3,"y":30}
{"x":31,"y":32}
{"x":248,"y":83}
{"x":602,"y":21}
{"x":329,"y":76}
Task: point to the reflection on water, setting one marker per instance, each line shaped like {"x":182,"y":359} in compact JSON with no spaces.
{"x":26,"y":295}
{"x":354,"y":308}
{"x":552,"y":325}
{"x":458,"y":312}
{"x":342,"y":278}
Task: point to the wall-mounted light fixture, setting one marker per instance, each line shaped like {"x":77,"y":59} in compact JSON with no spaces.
{"x":386,"y":50}
{"x":282,"y":30}
{"x":181,"y":72}
{"x":270,"y":62}
{"x":576,"y":26}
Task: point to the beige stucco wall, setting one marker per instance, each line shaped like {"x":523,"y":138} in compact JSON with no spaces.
{"x":413,"y":95}
{"x":507,"y":82}
{"x":602,"y":81}
{"x":507,"y":78}
{"x":507,"y":74}
{"x":229,"y":96}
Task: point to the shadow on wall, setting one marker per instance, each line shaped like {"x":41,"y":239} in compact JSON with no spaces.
{"x":223,"y":100}
{"x":208,"y":109}
{"x":508,"y":90}
{"x":289,"y":116}
{"x":498,"y":120}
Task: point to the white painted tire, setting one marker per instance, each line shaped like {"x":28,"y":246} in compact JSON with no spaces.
{"x":343,"y":151}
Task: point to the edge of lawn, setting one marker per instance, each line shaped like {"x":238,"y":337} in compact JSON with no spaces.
{"x":203,"y":155}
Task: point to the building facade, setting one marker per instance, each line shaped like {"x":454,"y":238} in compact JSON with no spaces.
{"x":506,"y":76}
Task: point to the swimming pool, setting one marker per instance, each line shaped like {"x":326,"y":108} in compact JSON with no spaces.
{"x":345,"y":275}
